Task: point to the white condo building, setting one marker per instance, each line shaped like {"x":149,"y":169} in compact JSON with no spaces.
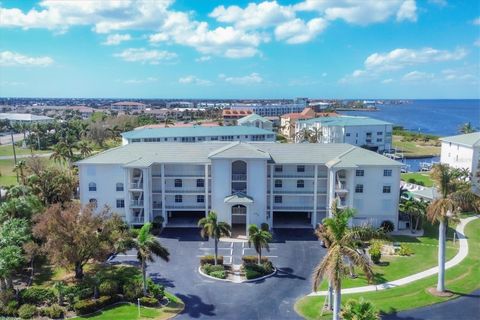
{"x":284,"y":185}
{"x":463,"y":151}
{"x":358,"y":131}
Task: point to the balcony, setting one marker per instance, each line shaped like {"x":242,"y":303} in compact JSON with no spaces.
{"x":293,"y":175}
{"x":136,"y":203}
{"x":239,"y":177}
{"x":157,"y":205}
{"x":291,"y":207}
{"x":341,"y":187}
{"x":185,"y":206}
{"x":136,"y":186}
{"x":137,"y":220}
{"x":184,"y":174}
{"x":305,"y":192}
{"x":180,"y":190}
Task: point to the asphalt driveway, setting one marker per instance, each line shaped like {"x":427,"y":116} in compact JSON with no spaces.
{"x":294,"y":252}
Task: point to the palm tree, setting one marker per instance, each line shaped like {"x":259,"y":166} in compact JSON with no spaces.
{"x":20,"y":168}
{"x":454,"y":194}
{"x":342,"y":252}
{"x":147,"y":248}
{"x":60,"y":153}
{"x":359,"y":310}
{"x":259,"y":239}
{"x":168,"y":121}
{"x":467,"y":128}
{"x":304,"y":135}
{"x":315,"y":135}
{"x":114,"y":132}
{"x":85,"y":148}
{"x":215,"y":229}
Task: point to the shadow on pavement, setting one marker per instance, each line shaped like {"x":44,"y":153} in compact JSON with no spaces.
{"x":281,"y":235}
{"x":287,"y":273}
{"x":167,"y":283}
{"x":195,"y":308}
{"x":182,"y":234}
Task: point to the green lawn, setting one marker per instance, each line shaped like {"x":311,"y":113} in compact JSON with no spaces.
{"x":130,"y":311}
{"x":397,"y":267}
{"x":461,"y":280}
{"x":8,"y":177}
{"x":7,"y":150}
{"x":412,"y":149}
{"x":418,"y":176}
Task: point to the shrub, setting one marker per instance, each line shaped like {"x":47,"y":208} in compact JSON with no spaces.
{"x":132,"y":290}
{"x":218,"y":274}
{"x":411,"y":180}
{"x":9,"y":309}
{"x":27,"y":311}
{"x":209,"y":268}
{"x":53,"y":312}
{"x":108,"y":288}
{"x":252,"y":260}
{"x":37,"y":296}
{"x":157,"y":222}
{"x":6,"y":296}
{"x":375,"y":252}
{"x":253,"y":271}
{"x":252,"y":274}
{"x":87,"y":306}
{"x":77,"y":292}
{"x":387,"y":226}
{"x":405,"y":250}
{"x":268,"y":266}
{"x":154,"y":289}
{"x":210,"y":260}
{"x":359,"y":310}
{"x":264,"y":227}
{"x":149,"y":301}
{"x":134,"y":232}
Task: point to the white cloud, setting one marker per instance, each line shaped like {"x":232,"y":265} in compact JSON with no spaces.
{"x":362,"y":12}
{"x":116,"y":38}
{"x":476,"y":21}
{"x":191,"y":79}
{"x":203,"y":59}
{"x":140,"y":81}
{"x":297,"y":31}
{"x":389,"y":80}
{"x":253,"y":78}
{"x":440,"y":3}
{"x":458,"y":74}
{"x":12,"y":59}
{"x":261,"y":15}
{"x":417,"y":76}
{"x":145,"y":56}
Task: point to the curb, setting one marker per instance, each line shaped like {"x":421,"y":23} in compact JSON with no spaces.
{"x":243,"y":281}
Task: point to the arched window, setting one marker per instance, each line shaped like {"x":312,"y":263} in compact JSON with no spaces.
{"x":93,"y":202}
{"x":92,"y":186}
{"x":239,"y":177}
{"x":119,"y":186}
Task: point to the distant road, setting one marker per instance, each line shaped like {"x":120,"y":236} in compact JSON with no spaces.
{"x":7,"y":139}
{"x":41,"y":155}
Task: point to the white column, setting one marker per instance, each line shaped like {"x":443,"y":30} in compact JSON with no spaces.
{"x":126,"y":191}
{"x":164,"y":211}
{"x":351,"y":188}
{"x":206,"y":181}
{"x":272,"y":181}
{"x":147,"y":194}
{"x":315,"y":197}
{"x":331,"y":190}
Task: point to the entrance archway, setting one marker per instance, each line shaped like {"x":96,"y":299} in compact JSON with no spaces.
{"x":239,"y":220}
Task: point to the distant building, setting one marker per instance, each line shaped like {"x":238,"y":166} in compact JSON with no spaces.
{"x":24,"y":118}
{"x":230,"y":116}
{"x":287,"y":121}
{"x":128,"y":106}
{"x":254,"y":120}
{"x":463,"y":151}
{"x":272,"y":110}
{"x":359,"y":131}
{"x":198,"y":134}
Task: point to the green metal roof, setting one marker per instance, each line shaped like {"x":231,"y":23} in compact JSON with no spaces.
{"x":195,"y":131}
{"x":469,"y":139}
{"x":345,"y":121}
{"x":145,"y":154}
{"x":252,"y":117}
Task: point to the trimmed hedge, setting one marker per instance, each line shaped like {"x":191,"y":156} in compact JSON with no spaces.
{"x":9,"y":309}
{"x":108,"y":288}
{"x":218,"y":274}
{"x":37,"y":296}
{"x":253,"y":271}
{"x":252,"y":260}
{"x":132,"y":290}
{"x":216,"y":271}
{"x":27,"y":311}
{"x":405,"y":250}
{"x":210,"y":260}
{"x":83,"y":307}
{"x":149,"y":302}
{"x":53,"y":312}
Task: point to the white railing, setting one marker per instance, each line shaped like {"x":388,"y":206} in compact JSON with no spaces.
{"x":279,"y":206}
{"x":294,"y":175}
{"x":139,"y":219}
{"x":239,"y":177}
{"x":137,"y":185}
{"x":185,"y":174}
{"x":180,"y":190}
{"x":186,"y":206}
{"x":136,"y":203}
{"x":157,"y":205}
{"x":239,"y":211}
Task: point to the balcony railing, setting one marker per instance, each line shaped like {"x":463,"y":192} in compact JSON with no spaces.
{"x":293,"y":175}
{"x":185,"y":174}
{"x":239,"y":177}
{"x":306,"y":191}
{"x":137,"y":185}
{"x":279,"y":206}
{"x":136,"y":203}
{"x":138,"y":219}
{"x":157,"y":205}
{"x":180,"y":190}
{"x":185,"y":206}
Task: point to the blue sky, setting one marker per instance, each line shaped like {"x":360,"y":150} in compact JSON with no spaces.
{"x":240,"y":49}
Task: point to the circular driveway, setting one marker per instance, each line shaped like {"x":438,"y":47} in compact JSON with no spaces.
{"x":294,"y":252}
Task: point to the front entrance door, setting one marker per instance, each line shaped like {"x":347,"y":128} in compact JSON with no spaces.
{"x":239,"y":220}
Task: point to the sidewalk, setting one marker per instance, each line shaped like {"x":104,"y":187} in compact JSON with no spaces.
{"x":462,"y":254}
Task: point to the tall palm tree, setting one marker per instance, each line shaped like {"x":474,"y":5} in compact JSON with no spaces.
{"x":467,"y":128}
{"x":168,"y":121}
{"x":215,"y":229}
{"x":60,"y":153}
{"x":85,"y":148}
{"x":259,"y":239}
{"x":148,"y":247}
{"x":454,"y":194}
{"x":342,"y":252}
{"x":20,"y":169}
{"x":304,"y":135}
{"x":315,"y":135}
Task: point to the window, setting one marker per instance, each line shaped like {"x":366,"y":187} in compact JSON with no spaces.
{"x":92,"y":186}
{"x":278,"y":183}
{"x":300,"y":168}
{"x":379,"y":140}
{"x":93,"y":202}
{"x":347,"y":134}
{"x":119,"y":186}
{"x":300,"y":183}
{"x":120,"y":203}
{"x":278,"y":169}
{"x":200,"y":183}
{"x":379,"y":133}
{"x":359,"y":188}
{"x":387,"y":173}
{"x":200,"y":198}
{"x":278,"y":199}
{"x":387,"y":189}
{"x":360,"y":173}
{"x":178,"y":183}
{"x":178,"y":198}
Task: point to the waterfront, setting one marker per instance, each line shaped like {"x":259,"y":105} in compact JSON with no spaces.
{"x":438,"y":117}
